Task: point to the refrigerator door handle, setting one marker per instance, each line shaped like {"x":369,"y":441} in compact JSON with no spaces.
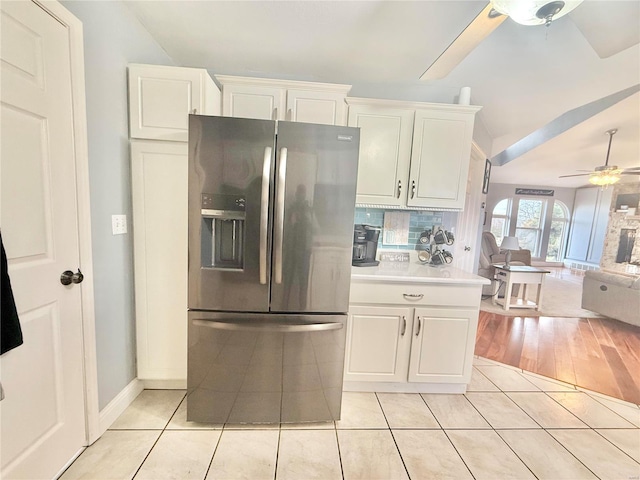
{"x":264,"y":214}
{"x":261,"y":326}
{"x":279,"y":231}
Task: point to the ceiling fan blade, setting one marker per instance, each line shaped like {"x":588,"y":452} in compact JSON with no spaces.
{"x":630,"y":173}
{"x":609,"y":27}
{"x":479,"y":29}
{"x":631,"y":169}
{"x":576,"y":175}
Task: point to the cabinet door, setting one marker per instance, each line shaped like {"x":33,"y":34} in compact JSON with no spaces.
{"x":159,"y":188}
{"x":161,"y":98}
{"x":377,"y":344}
{"x":253,"y":101}
{"x":442,"y":345}
{"x":584,"y":209}
{"x":440,"y":159}
{"x":307,"y":106}
{"x":385,"y":151}
{"x":600,"y":223}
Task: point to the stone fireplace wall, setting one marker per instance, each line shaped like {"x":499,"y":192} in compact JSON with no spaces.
{"x":617,"y":222}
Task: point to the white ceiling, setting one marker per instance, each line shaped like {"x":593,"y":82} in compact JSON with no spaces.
{"x":523,"y":76}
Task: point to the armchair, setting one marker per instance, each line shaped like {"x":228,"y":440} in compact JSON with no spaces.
{"x":490,"y":254}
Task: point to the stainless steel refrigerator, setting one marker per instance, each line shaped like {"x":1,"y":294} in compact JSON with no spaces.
{"x":271,"y":207}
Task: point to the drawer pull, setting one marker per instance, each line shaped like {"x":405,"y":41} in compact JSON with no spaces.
{"x":419,"y":325}
{"x":404,"y":326}
{"x":413,"y":296}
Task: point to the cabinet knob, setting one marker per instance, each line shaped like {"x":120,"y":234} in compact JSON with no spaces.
{"x":399,"y":187}
{"x":413,"y":188}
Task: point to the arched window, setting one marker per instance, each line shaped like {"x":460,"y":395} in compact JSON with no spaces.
{"x":500,"y":219}
{"x":558,"y":232}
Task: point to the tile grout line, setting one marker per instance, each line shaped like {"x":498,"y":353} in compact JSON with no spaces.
{"x":392,"y":436}
{"x":448,"y":438}
{"x":497,"y":432}
{"x":558,"y":428}
{"x":159,"y":436}
{"x":339,"y":452}
{"x":275,"y":467}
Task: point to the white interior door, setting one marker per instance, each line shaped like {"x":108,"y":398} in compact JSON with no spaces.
{"x":468,"y":228}
{"x":43,"y":414}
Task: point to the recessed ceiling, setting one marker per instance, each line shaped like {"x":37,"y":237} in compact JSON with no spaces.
{"x":523,"y":76}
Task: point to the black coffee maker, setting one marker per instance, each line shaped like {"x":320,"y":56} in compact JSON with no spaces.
{"x":365,"y":245}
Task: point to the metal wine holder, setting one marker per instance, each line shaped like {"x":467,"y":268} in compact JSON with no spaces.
{"x":430,"y":245}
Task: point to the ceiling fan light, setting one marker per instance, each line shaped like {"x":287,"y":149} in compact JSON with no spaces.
{"x":604,"y":179}
{"x":533,"y":12}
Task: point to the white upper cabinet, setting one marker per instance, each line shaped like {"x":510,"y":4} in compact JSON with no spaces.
{"x":412,"y":155}
{"x":440,"y":158}
{"x":269,"y":99}
{"x":161,"y":99}
{"x":385,"y":150}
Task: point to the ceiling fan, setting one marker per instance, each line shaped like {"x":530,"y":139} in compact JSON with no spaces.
{"x":530,"y":12}
{"x":606,"y":174}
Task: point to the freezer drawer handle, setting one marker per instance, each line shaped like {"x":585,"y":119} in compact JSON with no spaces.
{"x":282,"y":173}
{"x":264,"y":214}
{"x":260,"y":326}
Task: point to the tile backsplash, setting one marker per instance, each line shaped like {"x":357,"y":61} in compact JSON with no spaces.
{"x":419,"y":221}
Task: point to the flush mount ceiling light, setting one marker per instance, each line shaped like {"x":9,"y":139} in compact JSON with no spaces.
{"x":534,"y":12}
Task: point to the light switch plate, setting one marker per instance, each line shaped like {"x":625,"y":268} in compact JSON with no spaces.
{"x":119,"y":224}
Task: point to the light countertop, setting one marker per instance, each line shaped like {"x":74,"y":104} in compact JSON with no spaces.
{"x":415,"y":272}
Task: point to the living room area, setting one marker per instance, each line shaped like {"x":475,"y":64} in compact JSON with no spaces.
{"x":586,"y":329}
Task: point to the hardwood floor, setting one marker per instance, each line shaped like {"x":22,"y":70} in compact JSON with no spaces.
{"x":598,"y":354}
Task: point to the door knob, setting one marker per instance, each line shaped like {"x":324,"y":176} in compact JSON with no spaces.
{"x":68,"y":277}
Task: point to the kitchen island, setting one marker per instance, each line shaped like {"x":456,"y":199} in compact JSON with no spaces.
{"x":411,"y":328}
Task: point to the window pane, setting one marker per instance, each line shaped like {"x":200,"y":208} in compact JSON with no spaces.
{"x":556,"y":235}
{"x":558,"y":211}
{"x":528,"y":239}
{"x":501,"y":207}
{"x":497,"y":228}
{"x":529,"y":213}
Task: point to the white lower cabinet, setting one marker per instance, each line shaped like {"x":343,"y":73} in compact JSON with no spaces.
{"x":159,"y":173}
{"x":378,"y":344}
{"x":441,"y":339}
{"x":400,"y":348}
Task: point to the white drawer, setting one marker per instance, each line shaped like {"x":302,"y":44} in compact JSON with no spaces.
{"x":415,"y":294}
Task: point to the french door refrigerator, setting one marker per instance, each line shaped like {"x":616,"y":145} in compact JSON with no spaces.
{"x":271,"y":212}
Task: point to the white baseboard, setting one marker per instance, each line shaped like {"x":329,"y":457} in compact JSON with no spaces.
{"x":119,"y":404}
{"x":164,"y":384}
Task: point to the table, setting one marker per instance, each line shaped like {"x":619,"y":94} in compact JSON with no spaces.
{"x":524,"y":275}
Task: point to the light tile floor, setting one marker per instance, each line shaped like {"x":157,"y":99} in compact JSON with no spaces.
{"x":510,"y":425}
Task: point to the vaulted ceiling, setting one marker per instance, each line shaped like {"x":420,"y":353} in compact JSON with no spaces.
{"x":525,"y":77}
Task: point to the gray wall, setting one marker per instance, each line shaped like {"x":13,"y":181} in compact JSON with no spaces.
{"x":113,"y":37}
